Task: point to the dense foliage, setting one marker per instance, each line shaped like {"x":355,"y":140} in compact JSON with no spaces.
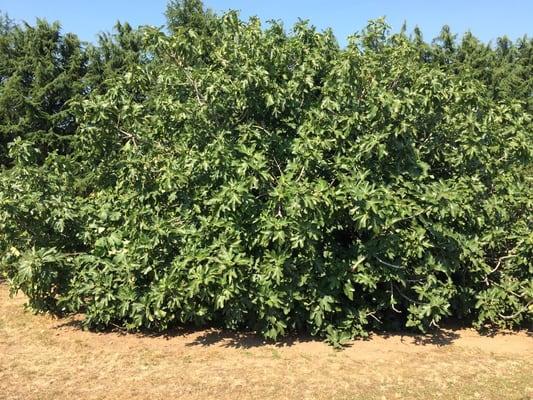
{"x":40,"y":72}
{"x":250,"y":178}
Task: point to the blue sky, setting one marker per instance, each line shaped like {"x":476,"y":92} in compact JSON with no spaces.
{"x":487,"y":19}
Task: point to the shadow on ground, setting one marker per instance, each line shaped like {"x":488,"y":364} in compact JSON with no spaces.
{"x":208,"y":336}
{"x":438,"y":337}
{"x":245,"y":340}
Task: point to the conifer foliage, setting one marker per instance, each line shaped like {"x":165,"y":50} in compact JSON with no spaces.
{"x":241,"y":176}
{"x":40,"y":72}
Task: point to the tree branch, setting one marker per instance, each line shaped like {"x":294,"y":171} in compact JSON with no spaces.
{"x":516,"y":314}
{"x":388,"y":264}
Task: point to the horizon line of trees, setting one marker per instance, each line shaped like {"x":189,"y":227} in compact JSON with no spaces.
{"x":38,"y":62}
{"x":225,"y":172}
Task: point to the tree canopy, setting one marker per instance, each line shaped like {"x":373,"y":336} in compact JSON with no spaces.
{"x":251,"y":177}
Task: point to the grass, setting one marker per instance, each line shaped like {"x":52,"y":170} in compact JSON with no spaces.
{"x":46,"y":358}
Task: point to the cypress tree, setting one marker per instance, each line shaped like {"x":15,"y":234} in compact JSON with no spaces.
{"x":42,"y":70}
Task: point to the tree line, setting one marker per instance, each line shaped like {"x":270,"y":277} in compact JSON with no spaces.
{"x":243,"y":175}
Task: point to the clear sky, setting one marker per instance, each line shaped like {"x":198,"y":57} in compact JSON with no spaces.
{"x":487,"y":19}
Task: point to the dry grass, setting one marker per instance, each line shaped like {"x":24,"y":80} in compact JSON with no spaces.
{"x":46,"y":358}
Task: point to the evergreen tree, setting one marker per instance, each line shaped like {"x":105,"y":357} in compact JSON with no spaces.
{"x":190,"y":14}
{"x":6,"y":23}
{"x":114,"y":54}
{"x":41,"y":70}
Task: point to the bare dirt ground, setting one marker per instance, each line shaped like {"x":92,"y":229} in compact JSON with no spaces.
{"x":46,"y":358}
